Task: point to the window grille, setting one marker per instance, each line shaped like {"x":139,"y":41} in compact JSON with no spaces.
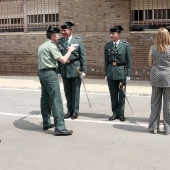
{"x":150,"y":14}
{"x":25,"y":14}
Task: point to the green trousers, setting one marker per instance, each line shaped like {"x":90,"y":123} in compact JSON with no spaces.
{"x":72,"y":93}
{"x":51,"y":99}
{"x":117,"y":97}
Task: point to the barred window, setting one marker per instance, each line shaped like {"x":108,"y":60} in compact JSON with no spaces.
{"x":150,"y":14}
{"x":31,"y":14}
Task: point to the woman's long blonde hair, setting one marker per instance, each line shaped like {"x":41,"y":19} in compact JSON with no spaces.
{"x":163,"y":40}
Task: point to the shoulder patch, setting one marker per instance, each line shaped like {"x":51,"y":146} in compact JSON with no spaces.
{"x":77,"y":37}
{"x":125,"y":42}
{"x":109,"y":43}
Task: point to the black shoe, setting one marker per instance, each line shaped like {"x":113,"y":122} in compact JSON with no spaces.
{"x":63,"y":132}
{"x":113,"y":117}
{"x":68,"y":115}
{"x":48,"y":127}
{"x":74,"y":115}
{"x":122,"y":118}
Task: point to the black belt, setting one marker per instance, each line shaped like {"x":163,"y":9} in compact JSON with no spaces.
{"x":114,"y":63}
{"x":72,"y":61}
{"x":48,"y":69}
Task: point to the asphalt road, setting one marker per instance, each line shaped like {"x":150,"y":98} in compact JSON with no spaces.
{"x":96,"y":143}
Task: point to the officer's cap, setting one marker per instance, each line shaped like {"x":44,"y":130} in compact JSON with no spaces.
{"x":116,"y":28}
{"x":53,"y":29}
{"x":67,"y":25}
{"x":168,"y":28}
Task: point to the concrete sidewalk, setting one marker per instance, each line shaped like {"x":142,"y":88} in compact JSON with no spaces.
{"x":92,"y":85}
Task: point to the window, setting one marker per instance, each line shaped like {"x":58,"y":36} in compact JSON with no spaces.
{"x":149,"y":14}
{"x":38,"y":14}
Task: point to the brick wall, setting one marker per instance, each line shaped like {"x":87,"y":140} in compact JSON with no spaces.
{"x":140,"y":44}
{"x":18,"y":51}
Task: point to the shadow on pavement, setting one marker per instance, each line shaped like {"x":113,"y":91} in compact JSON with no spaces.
{"x":137,"y":119}
{"x":35,"y":112}
{"x":132,"y":128}
{"x":94,"y":115}
{"x":27,"y":125}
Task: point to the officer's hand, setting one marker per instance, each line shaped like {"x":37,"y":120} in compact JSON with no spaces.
{"x":71,"y":48}
{"x":59,"y":77}
{"x":127,"y":78}
{"x":82,"y":75}
{"x":105,"y":78}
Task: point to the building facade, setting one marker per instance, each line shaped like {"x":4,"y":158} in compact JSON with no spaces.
{"x":23,"y":24}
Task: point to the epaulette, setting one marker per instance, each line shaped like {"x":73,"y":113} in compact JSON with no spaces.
{"x":125,"y":42}
{"x":77,"y":37}
{"x":109,"y":42}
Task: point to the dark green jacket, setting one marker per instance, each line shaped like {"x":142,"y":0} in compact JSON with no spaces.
{"x":70,"y":70}
{"x":121,"y":55}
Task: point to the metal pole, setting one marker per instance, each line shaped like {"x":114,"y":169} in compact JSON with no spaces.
{"x":86,"y":93}
{"x":25,"y":17}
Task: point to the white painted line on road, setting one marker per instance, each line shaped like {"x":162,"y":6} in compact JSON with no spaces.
{"x":108,"y":94}
{"x":82,"y":93}
{"x":81,"y":120}
{"x":17,"y":89}
{"x":19,"y":115}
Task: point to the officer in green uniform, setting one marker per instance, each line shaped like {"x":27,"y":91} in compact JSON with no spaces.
{"x":68,"y":71}
{"x":118,"y":70}
{"x":48,"y":55}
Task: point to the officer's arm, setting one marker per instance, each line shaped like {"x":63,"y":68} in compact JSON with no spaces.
{"x":128,"y":60}
{"x":58,"y":71}
{"x":64,"y":58}
{"x":82,"y":54}
{"x":105,"y":60}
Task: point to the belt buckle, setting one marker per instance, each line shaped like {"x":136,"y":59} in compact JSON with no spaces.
{"x":114,"y":63}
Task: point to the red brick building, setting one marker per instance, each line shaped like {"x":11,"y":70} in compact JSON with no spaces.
{"x":23,"y":24}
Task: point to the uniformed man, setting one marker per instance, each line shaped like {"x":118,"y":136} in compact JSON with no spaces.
{"x":118,"y":70}
{"x":48,"y":55}
{"x":71,"y":78}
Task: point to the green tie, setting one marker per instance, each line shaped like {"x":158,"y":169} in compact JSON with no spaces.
{"x":66,"y":41}
{"x":115,"y":46}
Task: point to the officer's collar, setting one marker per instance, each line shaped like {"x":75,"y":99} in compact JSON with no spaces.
{"x":69,"y":38}
{"x":117,"y":42}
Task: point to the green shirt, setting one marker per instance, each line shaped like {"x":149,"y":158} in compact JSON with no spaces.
{"x":48,"y":53}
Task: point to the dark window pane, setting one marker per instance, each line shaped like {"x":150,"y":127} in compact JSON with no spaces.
{"x":168,"y":13}
{"x":149,"y":14}
{"x":164,"y":13}
{"x":159,"y":14}
{"x":155,"y":14}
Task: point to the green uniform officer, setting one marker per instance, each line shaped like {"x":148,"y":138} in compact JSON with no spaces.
{"x":77,"y":60}
{"x":48,"y":55}
{"x":118,"y":70}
